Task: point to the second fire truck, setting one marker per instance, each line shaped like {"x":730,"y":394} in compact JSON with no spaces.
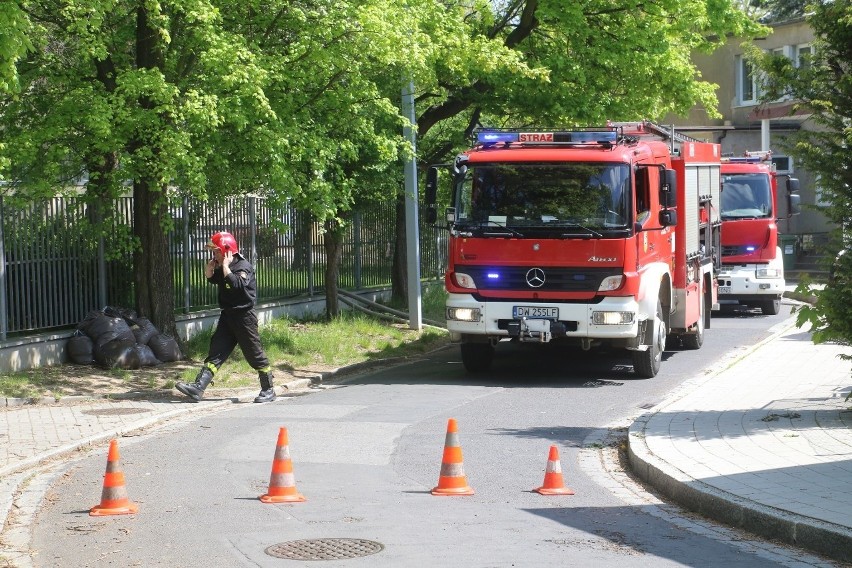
{"x":752,"y":271}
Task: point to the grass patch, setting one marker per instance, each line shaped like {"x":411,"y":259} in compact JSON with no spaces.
{"x":316,"y":344}
{"x":292,"y":345}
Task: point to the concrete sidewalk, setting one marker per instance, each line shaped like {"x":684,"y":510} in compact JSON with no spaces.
{"x":762,"y":443}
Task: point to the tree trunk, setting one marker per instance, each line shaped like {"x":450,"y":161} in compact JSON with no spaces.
{"x":153,"y":277}
{"x":333,"y":242}
{"x":155,"y":298}
{"x":399,"y":269}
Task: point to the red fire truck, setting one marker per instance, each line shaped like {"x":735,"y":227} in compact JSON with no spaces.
{"x":596,"y":237}
{"x":752,"y":271}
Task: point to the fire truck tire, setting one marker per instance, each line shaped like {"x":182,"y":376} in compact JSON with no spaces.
{"x":771,"y":307}
{"x":646,"y":363}
{"x":477,"y":357}
{"x":696,"y":339}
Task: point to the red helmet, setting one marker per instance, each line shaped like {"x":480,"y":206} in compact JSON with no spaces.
{"x":224,"y":242}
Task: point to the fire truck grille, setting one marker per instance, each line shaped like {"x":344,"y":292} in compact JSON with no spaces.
{"x":543,"y":278}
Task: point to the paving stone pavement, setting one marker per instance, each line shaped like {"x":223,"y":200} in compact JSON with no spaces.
{"x":764,"y":443}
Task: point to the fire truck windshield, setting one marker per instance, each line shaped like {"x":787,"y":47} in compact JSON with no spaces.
{"x":746,"y":196}
{"x":585,"y":199}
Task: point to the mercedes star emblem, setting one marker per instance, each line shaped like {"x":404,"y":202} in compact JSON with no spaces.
{"x":535,"y":277}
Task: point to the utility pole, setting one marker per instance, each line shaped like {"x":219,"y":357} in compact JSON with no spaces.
{"x":412,"y":227}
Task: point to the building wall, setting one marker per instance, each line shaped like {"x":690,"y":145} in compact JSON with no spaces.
{"x":739,"y":128}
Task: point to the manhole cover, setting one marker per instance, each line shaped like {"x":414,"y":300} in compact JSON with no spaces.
{"x":115,"y":411}
{"x":325,"y":549}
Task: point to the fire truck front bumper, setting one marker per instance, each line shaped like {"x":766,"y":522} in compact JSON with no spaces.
{"x":613,"y":318}
{"x":751,"y":281}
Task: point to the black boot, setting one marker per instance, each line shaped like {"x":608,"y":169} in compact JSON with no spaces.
{"x":267,"y":390}
{"x":196,"y":390}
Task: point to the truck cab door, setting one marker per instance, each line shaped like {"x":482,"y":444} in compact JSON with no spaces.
{"x":652,"y":240}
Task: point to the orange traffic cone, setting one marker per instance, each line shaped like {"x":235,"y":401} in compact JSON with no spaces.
{"x":452,"y":480}
{"x":282,"y":482}
{"x":553,"y":484}
{"x":114,"y":499}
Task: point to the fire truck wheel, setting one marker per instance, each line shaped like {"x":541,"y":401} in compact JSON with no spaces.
{"x":477,"y":357}
{"x":771,"y":307}
{"x":646,"y":363}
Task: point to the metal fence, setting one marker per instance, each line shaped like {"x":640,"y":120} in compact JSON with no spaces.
{"x":54,"y":269}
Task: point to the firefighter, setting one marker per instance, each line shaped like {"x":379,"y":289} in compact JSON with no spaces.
{"x":234,"y":276}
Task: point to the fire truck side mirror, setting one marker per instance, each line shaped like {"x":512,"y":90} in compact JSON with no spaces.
{"x":431,"y":186}
{"x":431,"y":195}
{"x":792,"y":185}
{"x":668,"y":217}
{"x":668,"y":189}
{"x":794,"y":203}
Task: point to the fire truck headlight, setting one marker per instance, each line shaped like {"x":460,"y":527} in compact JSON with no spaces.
{"x":611,"y":283}
{"x":612,"y":318}
{"x":768,"y":273}
{"x":464,"y":280}
{"x":464,"y":314}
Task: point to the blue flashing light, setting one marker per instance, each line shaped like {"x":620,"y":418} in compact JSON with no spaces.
{"x":610,"y":136}
{"x":751,"y":248}
{"x":744,"y":160}
{"x":493,"y":276}
{"x":488,"y":137}
{"x":495,"y":137}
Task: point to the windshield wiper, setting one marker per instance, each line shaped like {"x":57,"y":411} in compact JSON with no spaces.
{"x":486,"y":225}
{"x":579,"y":226}
{"x":501,"y":230}
{"x":741,"y":217}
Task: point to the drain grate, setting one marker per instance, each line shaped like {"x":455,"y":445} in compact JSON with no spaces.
{"x":325,"y":549}
{"x":602,"y":383}
{"x":115,"y":411}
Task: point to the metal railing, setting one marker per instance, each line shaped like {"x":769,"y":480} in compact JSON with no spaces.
{"x":55,"y":267}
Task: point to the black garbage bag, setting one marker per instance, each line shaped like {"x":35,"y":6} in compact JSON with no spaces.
{"x":165,"y":348}
{"x":81,"y":348}
{"x":105,"y":338}
{"x":143,"y":330}
{"x":87,"y":321}
{"x":146,"y":356}
{"x":118,"y":354}
{"x":103,"y":324}
{"x":115,"y":312}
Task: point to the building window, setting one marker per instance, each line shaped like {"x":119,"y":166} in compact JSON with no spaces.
{"x":746,"y":86}
{"x":803,"y":53}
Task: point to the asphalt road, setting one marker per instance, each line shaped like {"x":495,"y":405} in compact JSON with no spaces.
{"x":367,"y":451}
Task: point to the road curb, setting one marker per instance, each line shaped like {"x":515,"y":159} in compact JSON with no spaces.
{"x":824,"y":538}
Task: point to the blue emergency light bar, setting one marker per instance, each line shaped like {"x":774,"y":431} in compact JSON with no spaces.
{"x":743,"y":160}
{"x":488,"y":137}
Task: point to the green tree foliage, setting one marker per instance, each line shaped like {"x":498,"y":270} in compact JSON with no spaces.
{"x":770,"y":11}
{"x":552,"y":62}
{"x":822,"y":84}
{"x":298,"y":100}
{"x":14,"y":42}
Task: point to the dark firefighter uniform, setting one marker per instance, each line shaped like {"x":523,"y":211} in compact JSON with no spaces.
{"x":238,"y":320}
